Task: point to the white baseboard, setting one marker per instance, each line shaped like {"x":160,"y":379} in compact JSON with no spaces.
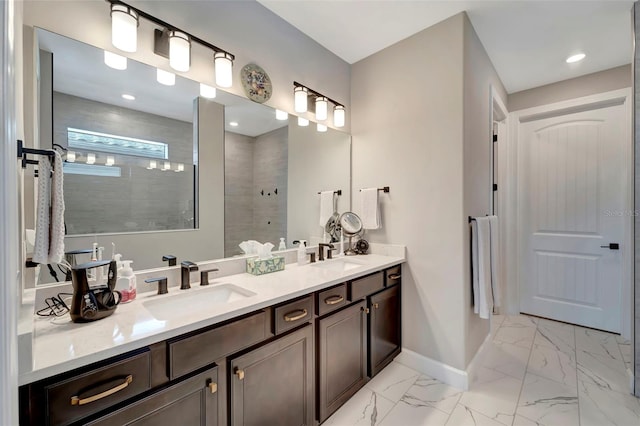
{"x":436,"y":369}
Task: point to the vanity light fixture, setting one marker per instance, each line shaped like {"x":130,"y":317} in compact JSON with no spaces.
{"x":124,"y":27}
{"x":301,"y":94}
{"x":281,"y":115}
{"x":165,"y":77}
{"x":223,"y":64}
{"x":110,"y":160}
{"x":128,"y":97}
{"x":303,"y":122}
{"x":166,"y":166}
{"x":321,"y":128}
{"x":172,"y":42}
{"x":338,"y":116}
{"x":91,"y":158}
{"x":180,"y":168}
{"x":71,"y":157}
{"x":115,"y":61}
{"x":207,"y":91}
{"x":179,"y":51}
{"x":575,"y":58}
{"x":152,"y":165}
{"x":322,"y":106}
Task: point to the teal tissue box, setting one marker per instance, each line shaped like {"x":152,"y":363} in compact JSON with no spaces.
{"x":256,"y":266}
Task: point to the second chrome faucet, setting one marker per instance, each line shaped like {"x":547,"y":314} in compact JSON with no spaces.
{"x":185,"y":268}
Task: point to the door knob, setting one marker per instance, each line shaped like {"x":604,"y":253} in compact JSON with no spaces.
{"x":612,"y":246}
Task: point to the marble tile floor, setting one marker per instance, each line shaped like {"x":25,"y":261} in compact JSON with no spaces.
{"x":532,"y":371}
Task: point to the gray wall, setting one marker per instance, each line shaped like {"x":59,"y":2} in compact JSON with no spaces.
{"x":253,"y":165}
{"x":408,"y":134}
{"x":140,"y":199}
{"x":636,"y":130}
{"x":599,"y":82}
{"x":479,"y":77}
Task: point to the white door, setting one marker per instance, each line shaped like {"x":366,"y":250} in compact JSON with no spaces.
{"x":572,"y":196}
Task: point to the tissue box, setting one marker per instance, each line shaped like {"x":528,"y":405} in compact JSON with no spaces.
{"x":257,"y":266}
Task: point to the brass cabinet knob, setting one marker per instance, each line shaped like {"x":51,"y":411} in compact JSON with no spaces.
{"x":375,"y":305}
{"x":365,"y":310}
{"x":213,"y":387}
{"x":240,"y":374}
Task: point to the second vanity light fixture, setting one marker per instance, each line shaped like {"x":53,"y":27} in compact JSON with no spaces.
{"x":301,"y":95}
{"x":171,"y":42}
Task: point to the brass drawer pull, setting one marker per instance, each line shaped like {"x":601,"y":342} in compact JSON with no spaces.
{"x":375,"y":305}
{"x":75,"y":400}
{"x":395,"y":276}
{"x":240,"y":374}
{"x":289,"y":318}
{"x":333,"y":300}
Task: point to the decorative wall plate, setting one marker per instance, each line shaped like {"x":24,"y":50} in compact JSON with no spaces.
{"x":256,"y":83}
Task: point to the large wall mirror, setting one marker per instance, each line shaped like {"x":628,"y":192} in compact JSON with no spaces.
{"x":171,"y":172}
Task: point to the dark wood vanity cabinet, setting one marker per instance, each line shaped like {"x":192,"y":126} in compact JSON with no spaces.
{"x":294,"y":363}
{"x":191,"y":401}
{"x":384,"y":328}
{"x":342,"y":357}
{"x":273,"y":384}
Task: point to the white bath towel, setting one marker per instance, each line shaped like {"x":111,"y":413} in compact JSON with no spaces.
{"x":495,"y":262}
{"x":56,"y":238}
{"x":43,"y":212}
{"x":370,"y":209}
{"x":326,"y":207}
{"x":481,"y":257}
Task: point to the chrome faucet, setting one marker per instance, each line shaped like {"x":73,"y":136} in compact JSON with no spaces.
{"x":321,"y":247}
{"x":186,"y":267}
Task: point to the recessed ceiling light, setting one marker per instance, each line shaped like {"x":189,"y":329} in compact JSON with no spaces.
{"x":128,"y":97}
{"x":233,"y":123}
{"x":575,"y":58}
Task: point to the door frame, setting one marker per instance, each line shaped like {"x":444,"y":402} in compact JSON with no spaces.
{"x":514,"y":203}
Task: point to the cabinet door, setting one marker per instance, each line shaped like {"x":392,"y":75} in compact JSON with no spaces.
{"x":273,"y":385}
{"x":193,"y":401}
{"x":342,"y":357}
{"x":384,"y":328}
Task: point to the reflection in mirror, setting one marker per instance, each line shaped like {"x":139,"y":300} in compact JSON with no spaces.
{"x":128,"y":140}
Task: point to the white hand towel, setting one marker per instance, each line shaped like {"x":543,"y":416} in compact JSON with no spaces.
{"x":370,"y":209}
{"x":43,"y":213}
{"x":326,"y":207}
{"x":474,"y":267}
{"x":495,"y":261}
{"x":56,"y":238}
{"x":485,"y":296}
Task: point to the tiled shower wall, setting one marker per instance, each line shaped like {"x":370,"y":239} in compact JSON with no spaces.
{"x":141,"y":199}
{"x":636,"y":113}
{"x":255,"y":167}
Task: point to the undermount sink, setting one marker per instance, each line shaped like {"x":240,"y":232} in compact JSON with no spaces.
{"x":168,"y":306}
{"x":338,"y":265}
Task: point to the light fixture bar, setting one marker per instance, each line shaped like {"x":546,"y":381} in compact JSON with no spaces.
{"x":164,"y":24}
{"x":317,"y":94}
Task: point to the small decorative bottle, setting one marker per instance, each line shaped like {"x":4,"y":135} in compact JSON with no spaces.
{"x":282,"y":245}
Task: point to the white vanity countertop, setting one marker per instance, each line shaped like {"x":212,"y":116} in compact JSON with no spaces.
{"x":60,"y":345}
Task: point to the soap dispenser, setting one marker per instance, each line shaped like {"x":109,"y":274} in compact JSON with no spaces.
{"x":126,"y":284}
{"x":283,"y":245}
{"x":302,"y":253}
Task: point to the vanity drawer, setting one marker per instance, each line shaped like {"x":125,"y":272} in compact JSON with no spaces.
{"x":199,"y":350}
{"x":393,"y":276}
{"x":365,"y":286}
{"x":331,"y":299}
{"x":80,"y":396}
{"x":293,"y":314}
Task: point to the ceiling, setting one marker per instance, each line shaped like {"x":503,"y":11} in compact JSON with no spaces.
{"x":527,"y":41}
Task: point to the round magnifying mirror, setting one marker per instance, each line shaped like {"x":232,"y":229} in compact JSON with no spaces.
{"x":351,"y":223}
